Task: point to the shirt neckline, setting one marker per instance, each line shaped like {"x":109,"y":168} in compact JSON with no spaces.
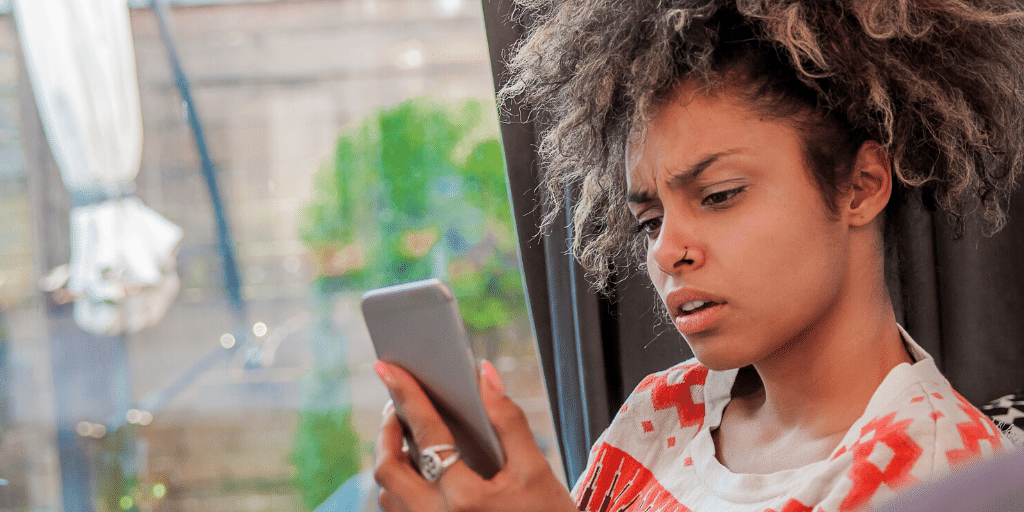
{"x":750,"y":487}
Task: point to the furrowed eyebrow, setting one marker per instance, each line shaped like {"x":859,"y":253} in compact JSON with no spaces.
{"x":681,"y":179}
{"x":639,"y":197}
{"x":686,"y":177}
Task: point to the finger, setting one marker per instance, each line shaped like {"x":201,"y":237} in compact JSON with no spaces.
{"x":489,"y":376}
{"x":509,"y":421}
{"x":403,"y":489}
{"x":389,"y":503}
{"x":424,"y":422}
{"x":389,"y":438}
{"x":392,"y":470}
{"x":426,"y":426}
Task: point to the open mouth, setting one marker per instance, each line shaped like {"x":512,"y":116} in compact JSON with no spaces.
{"x":695,"y":306}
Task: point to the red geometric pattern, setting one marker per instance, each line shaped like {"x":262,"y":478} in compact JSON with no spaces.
{"x":665,"y":395}
{"x":840,"y":451}
{"x":792,"y":506}
{"x":866,"y":476}
{"x":977,"y":428}
{"x":883,"y":460}
{"x":617,"y":482}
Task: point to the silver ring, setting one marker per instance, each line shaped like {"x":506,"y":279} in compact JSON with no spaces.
{"x":431,"y":464}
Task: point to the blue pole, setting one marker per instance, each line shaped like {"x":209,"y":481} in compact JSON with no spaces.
{"x":231,"y":280}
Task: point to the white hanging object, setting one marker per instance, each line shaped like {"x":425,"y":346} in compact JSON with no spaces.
{"x":81,"y":64}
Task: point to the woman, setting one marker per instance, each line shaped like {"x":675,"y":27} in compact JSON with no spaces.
{"x":751,"y":150}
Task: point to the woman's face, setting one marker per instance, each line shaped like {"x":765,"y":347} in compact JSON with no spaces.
{"x":741,"y":246}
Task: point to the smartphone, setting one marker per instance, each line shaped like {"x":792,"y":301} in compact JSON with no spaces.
{"x":417,"y":326}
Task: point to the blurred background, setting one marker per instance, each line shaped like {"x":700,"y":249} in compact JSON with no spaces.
{"x":355,"y":145}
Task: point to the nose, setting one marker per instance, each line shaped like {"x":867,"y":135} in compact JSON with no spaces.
{"x":675,"y":250}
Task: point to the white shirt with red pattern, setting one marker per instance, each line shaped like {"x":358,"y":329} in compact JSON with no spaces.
{"x":658,"y":454}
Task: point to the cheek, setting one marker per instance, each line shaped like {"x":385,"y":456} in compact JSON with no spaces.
{"x":788,"y":255}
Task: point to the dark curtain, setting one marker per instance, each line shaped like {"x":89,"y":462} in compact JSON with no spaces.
{"x":962,"y":300}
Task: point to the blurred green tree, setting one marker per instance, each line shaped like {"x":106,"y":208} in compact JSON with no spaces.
{"x":326,"y":451}
{"x":414,"y":191}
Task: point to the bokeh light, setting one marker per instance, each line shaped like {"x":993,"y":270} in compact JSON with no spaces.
{"x":98,"y":430}
{"x":84,"y":428}
{"x":259,"y":329}
{"x":411,"y":57}
{"x":133,"y":416}
{"x":450,"y":7}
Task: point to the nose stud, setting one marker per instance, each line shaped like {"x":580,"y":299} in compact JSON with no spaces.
{"x":686,"y":260}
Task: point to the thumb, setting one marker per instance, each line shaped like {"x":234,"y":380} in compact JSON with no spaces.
{"x":509,"y":421}
{"x":491,"y":378}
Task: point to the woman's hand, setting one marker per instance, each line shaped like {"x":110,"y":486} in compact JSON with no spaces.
{"x":526,"y":483}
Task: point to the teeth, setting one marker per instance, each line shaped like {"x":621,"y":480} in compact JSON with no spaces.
{"x":690,"y":306}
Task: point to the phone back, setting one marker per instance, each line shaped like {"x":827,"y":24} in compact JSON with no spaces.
{"x":418,"y":327}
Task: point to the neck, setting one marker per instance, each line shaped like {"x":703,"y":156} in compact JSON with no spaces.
{"x":822,"y":381}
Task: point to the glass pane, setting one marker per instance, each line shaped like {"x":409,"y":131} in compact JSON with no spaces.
{"x":355,"y":145}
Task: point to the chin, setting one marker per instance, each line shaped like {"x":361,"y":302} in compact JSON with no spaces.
{"x":721,"y":364}
{"x":718,"y":353}
{"x":719,"y":361}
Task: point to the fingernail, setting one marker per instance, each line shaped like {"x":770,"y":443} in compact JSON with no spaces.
{"x":491,"y":375}
{"x":384,"y":373}
{"x":388,"y":407}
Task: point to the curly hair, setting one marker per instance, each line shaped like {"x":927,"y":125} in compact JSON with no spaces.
{"x":938,"y":83}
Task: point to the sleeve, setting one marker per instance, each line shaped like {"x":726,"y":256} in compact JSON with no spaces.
{"x":650,"y":392}
{"x":615,"y":425}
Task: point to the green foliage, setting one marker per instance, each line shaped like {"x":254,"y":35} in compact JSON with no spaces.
{"x":413,"y":192}
{"x":326,"y":453}
{"x":117,"y":480}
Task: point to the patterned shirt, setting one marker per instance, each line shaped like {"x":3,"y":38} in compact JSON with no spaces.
{"x":658,"y":453}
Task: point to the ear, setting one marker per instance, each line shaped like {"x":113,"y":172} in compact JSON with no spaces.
{"x":870,"y":184}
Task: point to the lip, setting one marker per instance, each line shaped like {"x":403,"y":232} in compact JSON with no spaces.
{"x":693,"y":322}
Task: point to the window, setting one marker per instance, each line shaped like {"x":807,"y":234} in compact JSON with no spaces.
{"x":205,"y":412}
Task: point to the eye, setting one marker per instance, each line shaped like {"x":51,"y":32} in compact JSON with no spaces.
{"x":719,"y":199}
{"x":649,"y":227}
